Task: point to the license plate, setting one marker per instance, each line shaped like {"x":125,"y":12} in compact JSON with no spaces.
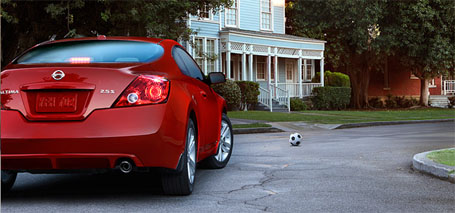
{"x":56,"y":102}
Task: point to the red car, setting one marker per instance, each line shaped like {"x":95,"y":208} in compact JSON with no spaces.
{"x":125,"y":103}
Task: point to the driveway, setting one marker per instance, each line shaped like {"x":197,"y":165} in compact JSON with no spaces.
{"x":360,"y":170}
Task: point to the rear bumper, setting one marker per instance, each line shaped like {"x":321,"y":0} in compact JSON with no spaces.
{"x":151,"y":136}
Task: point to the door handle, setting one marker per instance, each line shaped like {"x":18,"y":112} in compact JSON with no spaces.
{"x":204,"y":94}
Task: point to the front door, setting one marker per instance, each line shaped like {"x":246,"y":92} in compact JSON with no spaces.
{"x":291,"y":85}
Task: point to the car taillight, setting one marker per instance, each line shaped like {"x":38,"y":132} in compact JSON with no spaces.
{"x":145,"y":89}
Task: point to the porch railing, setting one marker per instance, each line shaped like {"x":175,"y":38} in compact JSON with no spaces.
{"x":449,"y":87}
{"x":265,"y":98}
{"x":281,"y":96}
{"x":294,"y":88}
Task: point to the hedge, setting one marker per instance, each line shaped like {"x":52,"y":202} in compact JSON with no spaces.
{"x":249,"y":94}
{"x":333,"y":79}
{"x":230,"y":92}
{"x":297,"y":104}
{"x":331,"y":98}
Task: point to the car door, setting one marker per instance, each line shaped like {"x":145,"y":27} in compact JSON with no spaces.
{"x":206,"y":103}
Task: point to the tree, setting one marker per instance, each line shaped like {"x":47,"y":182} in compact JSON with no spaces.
{"x":25,"y":23}
{"x":351,"y":29}
{"x":422,"y":34}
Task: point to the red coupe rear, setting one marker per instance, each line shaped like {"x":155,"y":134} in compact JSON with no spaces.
{"x":112,"y":103}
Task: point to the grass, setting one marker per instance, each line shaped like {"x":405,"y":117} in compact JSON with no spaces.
{"x":347,"y":116}
{"x":254,"y":125}
{"x":446,"y":157}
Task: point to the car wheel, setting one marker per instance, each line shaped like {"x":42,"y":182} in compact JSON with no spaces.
{"x":221,"y":158}
{"x":182,"y":183}
{"x":8,"y":179}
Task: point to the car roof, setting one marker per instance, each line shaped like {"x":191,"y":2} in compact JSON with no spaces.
{"x":102,"y":37}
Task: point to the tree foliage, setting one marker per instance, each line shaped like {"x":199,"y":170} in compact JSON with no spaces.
{"x":351,"y":30}
{"x":422,"y":35}
{"x":25,"y":23}
{"x":361,"y":34}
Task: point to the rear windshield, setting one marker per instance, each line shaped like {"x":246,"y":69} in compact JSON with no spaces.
{"x":96,"y":51}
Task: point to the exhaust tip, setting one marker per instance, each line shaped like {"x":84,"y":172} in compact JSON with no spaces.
{"x":125,"y":167}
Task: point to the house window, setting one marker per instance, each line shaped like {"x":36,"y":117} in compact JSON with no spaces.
{"x":308,"y":70}
{"x":431,"y":84}
{"x":272,"y":69}
{"x":260,"y":70}
{"x":266,"y":14}
{"x":206,"y":57}
{"x":210,"y":55}
{"x":231,"y":14}
{"x":205,"y":13}
{"x":199,"y":52}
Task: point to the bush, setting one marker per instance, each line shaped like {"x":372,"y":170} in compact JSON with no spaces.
{"x":333,"y":79}
{"x":331,"y":97}
{"x":376,"y":102}
{"x":230,"y":92}
{"x":297,"y":104}
{"x":451,"y":102}
{"x":249,"y":94}
{"x":390,"y":102}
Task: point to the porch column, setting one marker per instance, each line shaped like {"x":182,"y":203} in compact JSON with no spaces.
{"x":299,"y":68}
{"x":269,"y":68}
{"x":204,"y":46}
{"x":321,"y":73}
{"x":244,"y":77}
{"x":251,"y":63}
{"x":228,"y":60}
{"x":276,"y":68}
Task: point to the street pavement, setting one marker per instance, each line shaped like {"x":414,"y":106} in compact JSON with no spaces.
{"x":356,"y":170}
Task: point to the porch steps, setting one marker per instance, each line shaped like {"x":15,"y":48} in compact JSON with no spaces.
{"x":440,"y":101}
{"x":276,"y":107}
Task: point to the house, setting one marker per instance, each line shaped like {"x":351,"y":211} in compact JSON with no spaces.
{"x":248,"y":42}
{"x":397,"y":81}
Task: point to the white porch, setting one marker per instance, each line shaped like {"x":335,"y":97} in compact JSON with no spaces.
{"x":281,"y":72}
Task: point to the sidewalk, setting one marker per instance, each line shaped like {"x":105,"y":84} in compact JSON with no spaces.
{"x":303,"y":126}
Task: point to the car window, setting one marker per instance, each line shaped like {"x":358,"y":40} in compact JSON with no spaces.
{"x":93,"y":51}
{"x":183,"y":59}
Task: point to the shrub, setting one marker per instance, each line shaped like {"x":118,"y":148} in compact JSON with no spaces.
{"x":376,"y":102}
{"x":230,"y":92}
{"x":333,"y":79}
{"x":249,"y":94}
{"x":331,"y":97}
{"x":401,"y":101}
{"x":451,"y":102}
{"x":390,"y":102}
{"x":297,"y":104}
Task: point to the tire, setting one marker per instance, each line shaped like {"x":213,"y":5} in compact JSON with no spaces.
{"x":224,"y":151}
{"x":182,"y":182}
{"x":8,"y":179}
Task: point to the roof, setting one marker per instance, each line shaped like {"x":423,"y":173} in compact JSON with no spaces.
{"x":269,"y":35}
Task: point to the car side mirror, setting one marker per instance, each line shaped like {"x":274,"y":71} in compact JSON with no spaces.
{"x":216,"y":78}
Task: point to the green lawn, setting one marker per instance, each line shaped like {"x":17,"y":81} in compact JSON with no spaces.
{"x":348,"y":116}
{"x":446,"y":157}
{"x":255,"y":125}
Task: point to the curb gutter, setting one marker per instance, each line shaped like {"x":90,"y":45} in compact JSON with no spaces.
{"x":382,"y":123}
{"x":256,"y":130}
{"x":421,"y":163}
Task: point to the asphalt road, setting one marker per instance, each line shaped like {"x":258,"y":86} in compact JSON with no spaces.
{"x":359,"y":170}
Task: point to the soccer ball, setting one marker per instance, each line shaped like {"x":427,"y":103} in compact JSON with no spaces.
{"x":295,"y":139}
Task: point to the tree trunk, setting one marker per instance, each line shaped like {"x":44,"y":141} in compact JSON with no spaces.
{"x":424,"y":91}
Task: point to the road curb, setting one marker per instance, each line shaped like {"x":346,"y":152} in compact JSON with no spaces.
{"x":421,"y":163}
{"x":256,"y":130}
{"x":383,"y":123}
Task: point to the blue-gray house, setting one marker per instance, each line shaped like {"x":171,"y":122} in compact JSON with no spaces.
{"x":248,"y":42}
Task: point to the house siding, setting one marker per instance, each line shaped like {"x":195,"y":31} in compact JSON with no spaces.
{"x":205,"y":28}
{"x":250,"y":14}
{"x":278,"y":19}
